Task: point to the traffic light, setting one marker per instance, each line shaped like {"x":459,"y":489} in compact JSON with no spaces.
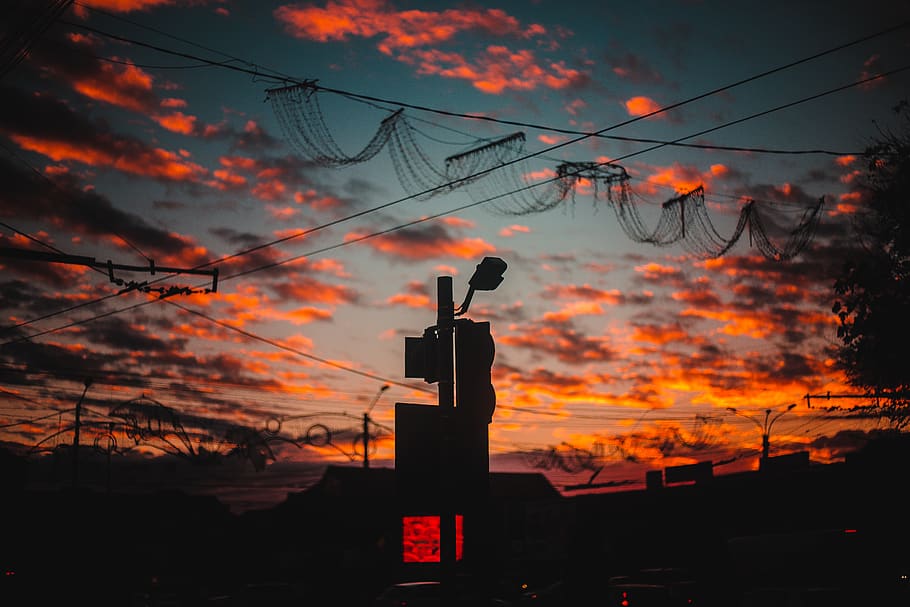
{"x":475,"y":397}
{"x":421,"y":356}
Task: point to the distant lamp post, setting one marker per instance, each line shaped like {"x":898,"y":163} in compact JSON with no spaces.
{"x":366,"y":426}
{"x":765,"y":426}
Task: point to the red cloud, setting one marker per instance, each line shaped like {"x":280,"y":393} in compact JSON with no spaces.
{"x":410,"y":300}
{"x":682,"y":178}
{"x":426,"y":243}
{"x":127,"y":6}
{"x":639,"y":106}
{"x":571,"y":310}
{"x":315,"y":200}
{"x":402,"y":29}
{"x":513,"y":229}
{"x":659,"y":334}
{"x":119,"y":154}
{"x":496,"y":70}
{"x":125,"y":86}
{"x":566,"y":345}
{"x":584,"y":292}
{"x":272,"y":190}
{"x":656,"y":271}
{"x":129,"y":87}
{"x":177,"y":122}
{"x":408,"y":35}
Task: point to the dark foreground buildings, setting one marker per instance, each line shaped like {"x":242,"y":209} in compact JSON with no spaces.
{"x":341,"y":541}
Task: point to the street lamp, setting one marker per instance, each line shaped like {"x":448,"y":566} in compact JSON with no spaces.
{"x":487,"y":276}
{"x":764,"y":426}
{"x":366,"y":426}
{"x":463,"y":453}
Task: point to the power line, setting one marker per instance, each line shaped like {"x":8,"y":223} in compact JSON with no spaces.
{"x":585,"y":134}
{"x":428,"y":217}
{"x":467,"y":116}
{"x":419,"y":221}
{"x":287,"y":348}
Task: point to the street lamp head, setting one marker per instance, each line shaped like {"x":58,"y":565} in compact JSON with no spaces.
{"x":791,"y":406}
{"x":486,"y":277}
{"x":488,"y":274}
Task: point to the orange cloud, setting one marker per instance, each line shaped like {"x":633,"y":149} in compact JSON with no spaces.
{"x":551,"y":139}
{"x":227,"y":180}
{"x":125,"y":86}
{"x":410,"y":300}
{"x":578,"y":308}
{"x":640,"y":106}
{"x":342,"y":19}
{"x":298,"y":287}
{"x":177,"y":122}
{"x":272,"y":190}
{"x":307,"y":315}
{"x":513,"y":229}
{"x":681,"y":178}
{"x":653,"y":271}
{"x":282,"y":213}
{"x":426,"y":243}
{"x":408,"y":35}
{"x":585,"y":292}
{"x":458,"y":222}
{"x":315,"y":200}
{"x":659,"y":334}
{"x":496,"y":70}
{"x":150,"y":162}
{"x":172,"y":102}
{"x":238,"y":162}
{"x":573,"y":107}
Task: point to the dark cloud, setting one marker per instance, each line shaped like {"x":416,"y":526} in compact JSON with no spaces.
{"x":634,"y":68}
{"x":120,"y":333}
{"x":561,"y":340}
{"x":244,"y":240}
{"x":64,"y":202}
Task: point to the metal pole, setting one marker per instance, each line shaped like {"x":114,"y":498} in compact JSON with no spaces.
{"x":766,"y":437}
{"x":366,"y":426}
{"x":78,"y":423}
{"x":445,"y":323}
{"x":366,"y":440}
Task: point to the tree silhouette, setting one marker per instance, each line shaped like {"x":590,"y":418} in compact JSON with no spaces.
{"x":873,"y":289}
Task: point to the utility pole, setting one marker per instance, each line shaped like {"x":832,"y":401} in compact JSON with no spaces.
{"x":78,"y":423}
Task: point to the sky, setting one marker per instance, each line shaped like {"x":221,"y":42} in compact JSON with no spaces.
{"x":671,"y":186}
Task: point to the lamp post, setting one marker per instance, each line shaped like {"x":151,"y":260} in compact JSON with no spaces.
{"x":76,"y":428}
{"x":487,"y":276}
{"x":366,"y":426}
{"x":765,"y":426}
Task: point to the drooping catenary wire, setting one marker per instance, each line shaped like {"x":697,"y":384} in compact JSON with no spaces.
{"x":412,"y":223}
{"x":422,"y":219}
{"x":451,"y":183}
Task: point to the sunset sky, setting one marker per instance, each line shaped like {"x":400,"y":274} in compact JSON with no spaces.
{"x":183,"y":132}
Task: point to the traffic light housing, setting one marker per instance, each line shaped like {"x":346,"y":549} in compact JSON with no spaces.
{"x":475,"y":396}
{"x":421,"y":356}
